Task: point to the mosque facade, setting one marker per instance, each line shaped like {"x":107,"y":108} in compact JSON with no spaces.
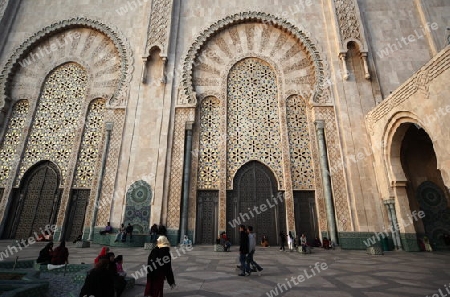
{"x":323,"y":117}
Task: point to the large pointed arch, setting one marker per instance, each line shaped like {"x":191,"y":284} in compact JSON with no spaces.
{"x":188,"y":95}
{"x":118,"y":96}
{"x":36,"y":202}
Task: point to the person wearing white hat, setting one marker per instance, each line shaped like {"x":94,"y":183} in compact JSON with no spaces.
{"x":159,"y":268}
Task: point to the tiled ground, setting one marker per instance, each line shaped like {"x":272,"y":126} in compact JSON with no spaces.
{"x":202,"y":272}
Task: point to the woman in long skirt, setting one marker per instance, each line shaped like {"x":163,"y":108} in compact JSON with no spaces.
{"x":159,"y":268}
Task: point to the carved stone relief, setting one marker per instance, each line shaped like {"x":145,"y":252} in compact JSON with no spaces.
{"x":159,"y":26}
{"x":348,"y":20}
{"x":253,"y":34}
{"x":99,"y":48}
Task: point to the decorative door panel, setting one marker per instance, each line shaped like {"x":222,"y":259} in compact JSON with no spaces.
{"x":254,"y":202}
{"x":207,"y":216}
{"x":38,"y":200}
{"x":305,"y":214}
{"x":433,"y":202}
{"x":77,"y":213}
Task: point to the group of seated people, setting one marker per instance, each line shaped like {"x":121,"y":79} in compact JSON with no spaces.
{"x":122,"y":234}
{"x":55,"y":258}
{"x":327,"y":244}
{"x":299,"y":241}
{"x":108,"y":270}
{"x":156,"y":231}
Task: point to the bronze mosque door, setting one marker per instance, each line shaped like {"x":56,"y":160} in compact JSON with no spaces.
{"x":256,"y":201}
{"x":36,"y":202}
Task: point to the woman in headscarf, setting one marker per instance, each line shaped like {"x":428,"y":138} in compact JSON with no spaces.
{"x":159,"y":268}
{"x":103,"y":252}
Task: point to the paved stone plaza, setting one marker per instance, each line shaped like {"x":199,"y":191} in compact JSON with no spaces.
{"x":202,"y":272}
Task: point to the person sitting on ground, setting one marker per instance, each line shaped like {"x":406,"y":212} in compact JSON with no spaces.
{"x":98,"y":281}
{"x":60,"y":254}
{"x":186,"y":241}
{"x":222,"y":239}
{"x":128,"y":231}
{"x":225,"y":241}
{"x":108,"y":229}
{"x":326,"y":243}
{"x":264,"y":241}
{"x":45,"y":255}
{"x":121,"y":233}
{"x":102,"y":253}
{"x":119,"y":262}
{"x":303,"y":243}
{"x":317,"y":242}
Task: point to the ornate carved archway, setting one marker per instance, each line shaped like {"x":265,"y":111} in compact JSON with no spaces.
{"x":248,"y":34}
{"x":298,"y":72}
{"x":56,"y":43}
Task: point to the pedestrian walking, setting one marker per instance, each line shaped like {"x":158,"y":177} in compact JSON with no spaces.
{"x":251,"y":251}
{"x":290,"y":240}
{"x":243,"y":250}
{"x":159,"y":268}
{"x":282,"y":240}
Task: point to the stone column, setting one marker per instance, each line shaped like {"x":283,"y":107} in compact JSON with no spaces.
{"x":366,"y":66}
{"x":326,"y":179}
{"x":342,"y":57}
{"x":109,"y":127}
{"x":390,"y":205}
{"x":186,"y":179}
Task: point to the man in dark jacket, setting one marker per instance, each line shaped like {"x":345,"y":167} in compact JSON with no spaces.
{"x":243,"y":251}
{"x":129,"y":232}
